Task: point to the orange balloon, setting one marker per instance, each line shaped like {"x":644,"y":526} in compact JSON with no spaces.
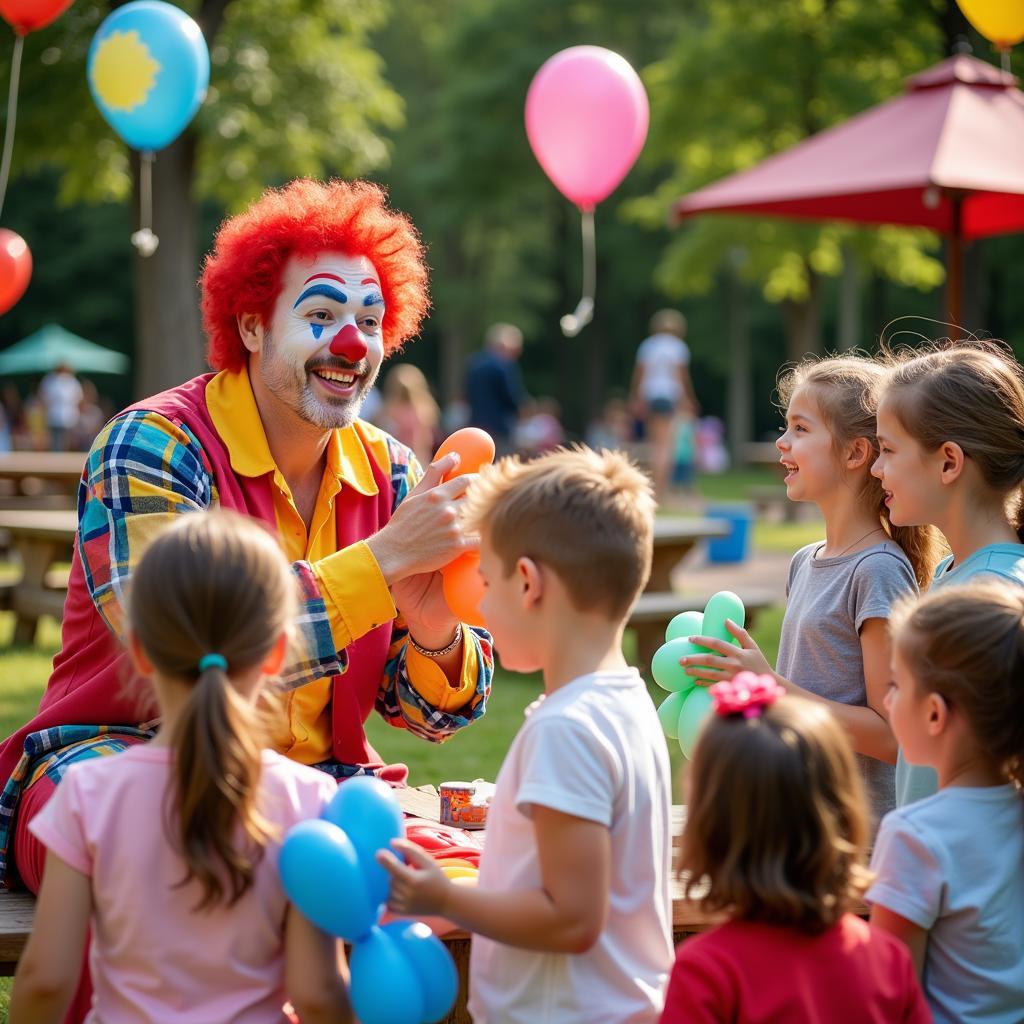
{"x":475,"y":446}
{"x":463,"y":588}
{"x":15,"y":268}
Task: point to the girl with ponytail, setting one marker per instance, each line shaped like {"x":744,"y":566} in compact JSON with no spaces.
{"x":168,"y":850}
{"x":834,"y":646}
{"x":951,"y":430}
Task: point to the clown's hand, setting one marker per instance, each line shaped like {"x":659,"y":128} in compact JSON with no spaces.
{"x":425,"y":532}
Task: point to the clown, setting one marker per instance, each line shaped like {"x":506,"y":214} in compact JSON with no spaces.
{"x":303,"y":297}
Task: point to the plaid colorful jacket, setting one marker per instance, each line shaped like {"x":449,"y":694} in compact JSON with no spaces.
{"x":162,"y":457}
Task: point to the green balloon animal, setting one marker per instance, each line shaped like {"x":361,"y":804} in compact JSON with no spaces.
{"x":688,"y":702}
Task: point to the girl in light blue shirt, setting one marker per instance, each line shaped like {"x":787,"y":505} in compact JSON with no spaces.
{"x":951,"y":443}
{"x":949,"y":869}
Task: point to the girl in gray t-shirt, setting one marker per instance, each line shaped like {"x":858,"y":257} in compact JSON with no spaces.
{"x":835,"y":644}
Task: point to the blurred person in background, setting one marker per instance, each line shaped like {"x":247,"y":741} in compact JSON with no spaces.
{"x":494,"y":386}
{"x":91,"y":416}
{"x":662,"y":391}
{"x":409,"y":412}
{"x":540,"y":427}
{"x":61,"y":395}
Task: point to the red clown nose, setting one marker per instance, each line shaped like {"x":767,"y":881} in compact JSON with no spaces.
{"x":349,"y":343}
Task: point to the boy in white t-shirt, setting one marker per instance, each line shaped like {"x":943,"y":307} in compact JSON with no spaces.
{"x":572,"y":914}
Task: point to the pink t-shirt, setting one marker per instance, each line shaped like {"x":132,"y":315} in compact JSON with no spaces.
{"x":153,"y":958}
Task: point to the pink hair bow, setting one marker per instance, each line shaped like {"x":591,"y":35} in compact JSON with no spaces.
{"x":746,"y":694}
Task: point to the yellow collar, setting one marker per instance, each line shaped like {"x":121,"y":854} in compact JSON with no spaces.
{"x":234,"y":413}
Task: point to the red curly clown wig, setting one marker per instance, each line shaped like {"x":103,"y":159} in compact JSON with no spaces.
{"x":243,"y":272}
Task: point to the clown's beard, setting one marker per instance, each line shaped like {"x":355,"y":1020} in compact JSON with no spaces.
{"x":291,"y":385}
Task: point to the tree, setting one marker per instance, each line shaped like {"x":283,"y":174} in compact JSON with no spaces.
{"x":295,"y":90}
{"x":744,"y":80}
{"x":503,"y":243}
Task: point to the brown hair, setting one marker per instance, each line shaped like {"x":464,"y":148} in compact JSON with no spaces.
{"x":966,"y":643}
{"x":776,"y":823}
{"x":847,"y":389}
{"x":971,"y":393}
{"x":213,"y":583}
{"x":588,"y":515}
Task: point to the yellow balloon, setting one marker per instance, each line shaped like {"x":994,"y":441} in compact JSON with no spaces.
{"x":1001,"y":21}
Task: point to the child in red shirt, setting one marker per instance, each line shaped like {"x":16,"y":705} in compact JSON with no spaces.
{"x":775,"y":839}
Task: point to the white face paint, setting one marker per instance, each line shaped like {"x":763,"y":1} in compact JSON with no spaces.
{"x":324,"y":345}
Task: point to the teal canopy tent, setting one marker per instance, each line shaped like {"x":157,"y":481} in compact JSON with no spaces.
{"x":52,"y":346}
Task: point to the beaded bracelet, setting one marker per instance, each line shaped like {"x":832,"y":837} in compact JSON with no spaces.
{"x":444,"y":650}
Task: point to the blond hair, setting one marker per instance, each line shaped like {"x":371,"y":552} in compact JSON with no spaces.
{"x":213,"y":583}
{"x":847,"y":390}
{"x":587,"y":515}
{"x":405,"y":384}
{"x":966,"y":643}
{"x":971,"y":393}
{"x":776,"y":821}
{"x":669,"y":321}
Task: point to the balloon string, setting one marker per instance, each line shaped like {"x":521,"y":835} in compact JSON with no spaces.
{"x":574,"y":322}
{"x":1004,"y":57}
{"x":12,"y":113}
{"x":146,"y":192}
{"x":144,"y":240}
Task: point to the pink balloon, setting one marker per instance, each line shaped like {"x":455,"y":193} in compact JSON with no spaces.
{"x":586,"y":118}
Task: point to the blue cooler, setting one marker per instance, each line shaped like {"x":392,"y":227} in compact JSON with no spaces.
{"x":733,"y":546}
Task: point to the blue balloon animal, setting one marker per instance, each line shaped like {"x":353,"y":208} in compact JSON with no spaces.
{"x":401,"y":972}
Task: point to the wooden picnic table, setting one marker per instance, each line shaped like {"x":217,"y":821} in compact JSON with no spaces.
{"x":18,"y":908}
{"x":674,"y":538}
{"x":40,"y":538}
{"x":61,"y":468}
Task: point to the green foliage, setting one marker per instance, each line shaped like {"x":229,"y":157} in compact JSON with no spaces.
{"x":295,"y":89}
{"x":744,"y":80}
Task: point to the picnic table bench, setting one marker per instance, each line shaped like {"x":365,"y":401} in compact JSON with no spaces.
{"x":40,"y":538}
{"x":25,"y":470}
{"x":674,"y":538}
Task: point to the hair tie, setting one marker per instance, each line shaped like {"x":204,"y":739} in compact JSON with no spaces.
{"x":746,"y":694}
{"x":213,"y":661}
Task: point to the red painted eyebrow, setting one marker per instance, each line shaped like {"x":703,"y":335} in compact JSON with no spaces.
{"x":369,"y":280}
{"x":333,"y":277}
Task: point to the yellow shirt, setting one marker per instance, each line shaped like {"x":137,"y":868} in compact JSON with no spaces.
{"x":352,"y":585}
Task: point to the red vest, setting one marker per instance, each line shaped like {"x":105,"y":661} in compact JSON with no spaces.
{"x":92,"y":681}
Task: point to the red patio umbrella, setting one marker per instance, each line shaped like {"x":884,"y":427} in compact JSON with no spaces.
{"x":948,"y":155}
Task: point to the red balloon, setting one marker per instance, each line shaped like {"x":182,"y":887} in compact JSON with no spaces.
{"x":15,"y":268}
{"x":27,"y":15}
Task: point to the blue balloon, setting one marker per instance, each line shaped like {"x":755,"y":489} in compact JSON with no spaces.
{"x":433,"y":965}
{"x":368,"y":811}
{"x":148,"y":71}
{"x":385,"y":986}
{"x":320,"y":872}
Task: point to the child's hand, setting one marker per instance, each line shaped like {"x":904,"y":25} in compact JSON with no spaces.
{"x":421,"y":888}
{"x":729,"y":659}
